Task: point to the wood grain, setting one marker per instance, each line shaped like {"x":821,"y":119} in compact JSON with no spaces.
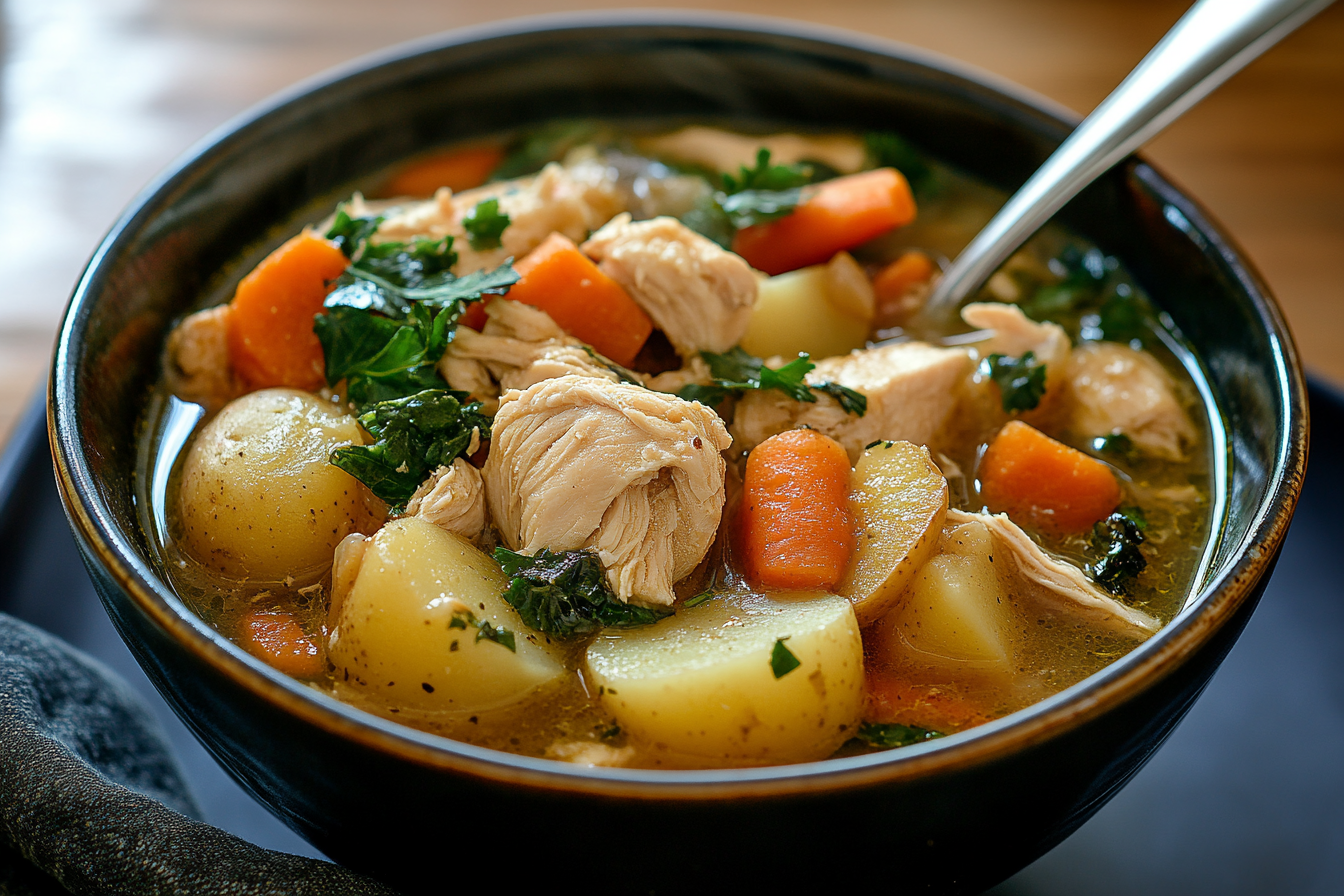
{"x":100,"y":96}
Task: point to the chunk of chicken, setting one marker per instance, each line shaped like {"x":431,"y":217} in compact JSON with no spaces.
{"x":911,"y":389}
{"x":726,"y":151}
{"x":1116,"y":389}
{"x":519,"y":346}
{"x":699,"y":295}
{"x":572,"y":200}
{"x":1064,"y":581}
{"x":452,"y":498}
{"x":196,"y":360}
{"x":1014,"y":334}
{"x":632,"y":474}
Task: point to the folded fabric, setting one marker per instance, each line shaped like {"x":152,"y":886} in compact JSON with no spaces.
{"x":91,"y":800}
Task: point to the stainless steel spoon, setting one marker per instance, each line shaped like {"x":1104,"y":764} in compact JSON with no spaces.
{"x":1210,"y":43}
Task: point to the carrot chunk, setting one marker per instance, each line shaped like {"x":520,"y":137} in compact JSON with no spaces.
{"x":560,"y":280}
{"x":271,"y":339}
{"x":893,"y":285}
{"x":939,"y":708}
{"x":796,"y":528}
{"x":1044,"y":483}
{"x":461,"y":169}
{"x":838,"y":214}
{"x":277,"y":639}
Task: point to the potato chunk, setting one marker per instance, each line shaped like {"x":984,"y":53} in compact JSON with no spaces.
{"x":953,"y":616}
{"x":403,"y":624}
{"x":259,"y":497}
{"x":700,"y":687}
{"x":794,"y":313}
{"x":899,"y":501}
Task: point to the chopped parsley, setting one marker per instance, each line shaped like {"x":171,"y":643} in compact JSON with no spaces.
{"x":735,"y":372}
{"x":414,"y":435}
{"x":1116,"y":539}
{"x":464,"y":619}
{"x":565,"y":593}
{"x":765,"y":176}
{"x":756,"y":195}
{"x":886,"y":735}
{"x":1116,"y":443}
{"x":782,"y":660}
{"x":485,"y":224}
{"x":1021,"y":381}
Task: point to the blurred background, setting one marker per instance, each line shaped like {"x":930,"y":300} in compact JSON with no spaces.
{"x":99,"y":95}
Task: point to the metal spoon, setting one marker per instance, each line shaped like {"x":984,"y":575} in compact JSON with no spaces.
{"x":1211,"y":42}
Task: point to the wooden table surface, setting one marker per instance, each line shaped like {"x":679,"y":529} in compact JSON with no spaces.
{"x":98,"y":96}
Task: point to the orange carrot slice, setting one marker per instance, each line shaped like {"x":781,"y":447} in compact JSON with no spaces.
{"x":893,"y":284}
{"x":936,"y":707}
{"x":271,"y":339}
{"x":838,"y":214}
{"x":277,"y":639}
{"x":796,"y":528}
{"x":458,"y":170}
{"x":560,"y":280}
{"x":1044,"y":483}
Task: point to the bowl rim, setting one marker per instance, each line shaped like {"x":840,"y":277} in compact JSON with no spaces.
{"x":1117,"y":683}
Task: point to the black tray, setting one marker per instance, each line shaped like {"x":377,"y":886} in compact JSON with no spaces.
{"x":1247,"y":797}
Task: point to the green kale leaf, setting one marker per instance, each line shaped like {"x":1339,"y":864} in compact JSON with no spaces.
{"x":1021,"y":381}
{"x":485,"y":224}
{"x":735,"y":372}
{"x":886,"y":735}
{"x":414,"y":436}
{"x":565,"y":593}
{"x":782,"y":660}
{"x":1116,"y":539}
{"x":349,"y":233}
{"x":888,"y":150}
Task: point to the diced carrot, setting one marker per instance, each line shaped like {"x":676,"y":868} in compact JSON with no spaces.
{"x":838,"y":214}
{"x":889,"y":698}
{"x":475,"y":316}
{"x":796,"y":528}
{"x":1044,"y":483}
{"x":277,"y":639}
{"x":893,"y":285}
{"x":271,"y":339}
{"x":560,"y":280}
{"x":458,"y":170}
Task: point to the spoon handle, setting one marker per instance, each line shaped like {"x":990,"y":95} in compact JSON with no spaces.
{"x":1210,"y":43}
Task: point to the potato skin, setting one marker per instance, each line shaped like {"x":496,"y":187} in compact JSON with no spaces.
{"x":392,"y":635}
{"x":699,"y":687}
{"x":258,"y":496}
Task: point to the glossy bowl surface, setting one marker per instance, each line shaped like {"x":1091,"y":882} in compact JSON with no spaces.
{"x":954,"y":815}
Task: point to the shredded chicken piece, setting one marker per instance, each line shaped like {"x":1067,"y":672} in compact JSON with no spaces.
{"x":573,"y":200}
{"x":699,"y":295}
{"x":1058,"y":577}
{"x":911,"y":389}
{"x":1015,"y":334}
{"x":630,"y":473}
{"x":726,"y":151}
{"x":452,"y":498}
{"x":1113,"y":388}
{"x":519,"y":347}
{"x":196,"y":360}
{"x":696,"y":372}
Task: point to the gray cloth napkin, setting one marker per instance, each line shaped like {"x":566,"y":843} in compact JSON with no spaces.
{"x":92,"y":802}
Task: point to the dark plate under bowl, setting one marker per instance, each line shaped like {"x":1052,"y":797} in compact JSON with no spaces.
{"x":419,"y":811}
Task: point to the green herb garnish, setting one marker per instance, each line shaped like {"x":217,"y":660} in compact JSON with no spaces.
{"x":1116,"y":443}
{"x":414,"y":436}
{"x":888,"y":150}
{"x":735,"y":372}
{"x":484,"y":630}
{"x":765,"y":176}
{"x":1116,"y":539}
{"x":759,"y":194}
{"x":782,"y":660}
{"x":886,"y":735}
{"x":548,"y":143}
{"x":565,"y":593}
{"x":1021,"y":381}
{"x":485,"y":224}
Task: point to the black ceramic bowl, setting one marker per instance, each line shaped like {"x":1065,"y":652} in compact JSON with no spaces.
{"x":954,"y":815}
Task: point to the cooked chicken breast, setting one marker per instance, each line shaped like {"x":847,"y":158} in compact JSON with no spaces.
{"x":911,"y":389}
{"x":696,"y":293}
{"x":1115,"y":389}
{"x":726,"y":151}
{"x":630,"y":473}
{"x":196,"y":362}
{"x":452,"y":498}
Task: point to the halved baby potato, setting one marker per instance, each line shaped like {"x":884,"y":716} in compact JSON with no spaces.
{"x":407,"y":609}
{"x":899,"y":502}
{"x":795,"y":313}
{"x":711,"y":685}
